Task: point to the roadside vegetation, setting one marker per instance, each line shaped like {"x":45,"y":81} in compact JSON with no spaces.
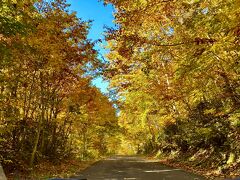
{"x":49,"y":169}
{"x":174,"y":73}
{"x":175,"y":66}
{"x":49,"y":111}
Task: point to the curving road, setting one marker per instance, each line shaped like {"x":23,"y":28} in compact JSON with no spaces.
{"x":131,"y":168}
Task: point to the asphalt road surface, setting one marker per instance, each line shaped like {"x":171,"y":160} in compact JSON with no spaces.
{"x":131,"y":168}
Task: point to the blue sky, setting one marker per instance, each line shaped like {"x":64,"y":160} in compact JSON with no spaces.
{"x":101,"y":16}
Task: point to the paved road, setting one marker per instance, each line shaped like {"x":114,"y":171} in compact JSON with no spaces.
{"x":131,"y":168}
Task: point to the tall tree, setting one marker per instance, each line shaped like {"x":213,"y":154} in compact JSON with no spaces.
{"x":183,"y":56}
{"x":46,"y":98}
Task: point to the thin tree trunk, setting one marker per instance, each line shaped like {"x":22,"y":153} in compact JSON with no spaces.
{"x":39,"y":123}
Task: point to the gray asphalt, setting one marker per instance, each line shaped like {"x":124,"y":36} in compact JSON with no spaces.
{"x":134,"y":168}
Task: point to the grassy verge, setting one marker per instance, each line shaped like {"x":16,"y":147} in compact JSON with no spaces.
{"x":46,"y":170}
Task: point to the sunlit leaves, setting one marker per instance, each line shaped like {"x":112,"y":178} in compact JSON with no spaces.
{"x":177,"y":64}
{"x":48,"y":106}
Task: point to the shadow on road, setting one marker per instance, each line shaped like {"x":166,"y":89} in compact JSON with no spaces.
{"x":134,"y":168}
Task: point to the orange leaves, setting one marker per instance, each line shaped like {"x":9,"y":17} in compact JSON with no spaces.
{"x":46,"y":74}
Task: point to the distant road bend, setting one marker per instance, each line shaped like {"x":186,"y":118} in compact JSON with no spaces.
{"x":134,"y":168}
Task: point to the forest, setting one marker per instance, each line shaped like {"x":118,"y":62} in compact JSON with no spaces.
{"x":49,"y":110}
{"x":174,"y":73}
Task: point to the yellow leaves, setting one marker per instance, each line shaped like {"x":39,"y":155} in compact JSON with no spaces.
{"x":140,"y":3}
{"x":192,"y":1}
{"x":166,"y":120}
{"x":211,"y":111}
{"x":235,"y":119}
{"x":143,"y":2}
{"x":62,"y":115}
{"x":205,"y":132}
{"x":231,"y":159}
{"x":183,"y":58}
{"x":14,"y":1}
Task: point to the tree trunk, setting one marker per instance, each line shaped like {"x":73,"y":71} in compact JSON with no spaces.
{"x":39,"y":123}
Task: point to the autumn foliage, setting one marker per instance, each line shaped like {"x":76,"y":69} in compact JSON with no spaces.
{"x":48,"y":108}
{"x":175,"y":66}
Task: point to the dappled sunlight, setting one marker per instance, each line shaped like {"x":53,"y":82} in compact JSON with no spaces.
{"x":161,"y":78}
{"x":165,"y":170}
{"x":133,"y":167}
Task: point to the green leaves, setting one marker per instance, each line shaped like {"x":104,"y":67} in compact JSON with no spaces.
{"x":180,"y":59}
